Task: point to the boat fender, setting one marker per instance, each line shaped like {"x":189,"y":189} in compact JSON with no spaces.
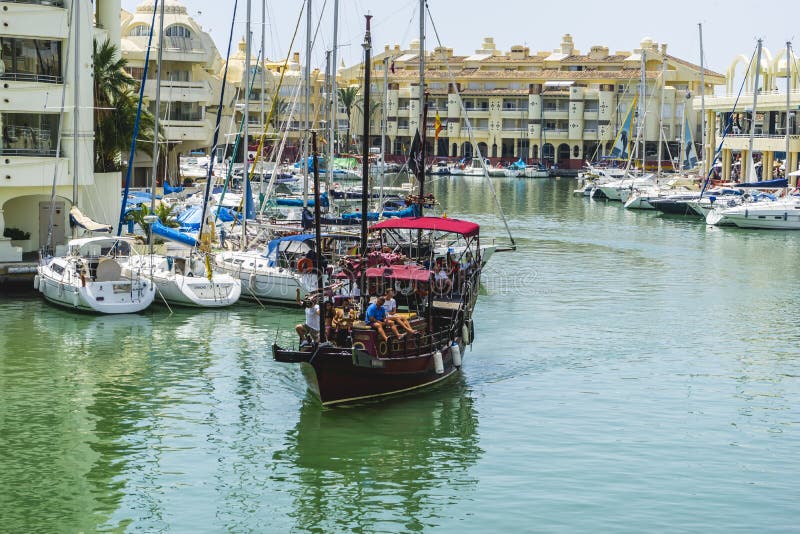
{"x":785,"y":216}
{"x":456,"y":352}
{"x":305,"y":265}
{"x":75,"y":298}
{"x":438,"y":363}
{"x":36,"y":282}
{"x":465,"y":335}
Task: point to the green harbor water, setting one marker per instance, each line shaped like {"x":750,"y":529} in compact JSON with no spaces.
{"x":631,"y":372}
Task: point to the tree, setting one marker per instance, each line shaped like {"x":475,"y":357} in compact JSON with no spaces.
{"x":115,"y":104}
{"x":348,"y":97}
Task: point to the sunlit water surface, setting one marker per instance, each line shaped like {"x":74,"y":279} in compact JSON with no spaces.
{"x":631,"y":372}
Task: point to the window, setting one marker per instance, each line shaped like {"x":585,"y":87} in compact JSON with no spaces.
{"x":36,"y":60}
{"x":178,"y":31}
{"x":474,"y":85}
{"x":489,"y":85}
{"x":140,"y":30}
{"x":29,"y":134}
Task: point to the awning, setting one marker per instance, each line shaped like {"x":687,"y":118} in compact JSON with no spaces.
{"x":400,"y":272}
{"x":439,"y":224}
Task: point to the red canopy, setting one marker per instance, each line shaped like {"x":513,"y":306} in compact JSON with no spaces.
{"x":400,"y":272}
{"x":440,"y":224}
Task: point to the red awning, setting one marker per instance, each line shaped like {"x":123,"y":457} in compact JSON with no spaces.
{"x":400,"y":272}
{"x":438,"y":224}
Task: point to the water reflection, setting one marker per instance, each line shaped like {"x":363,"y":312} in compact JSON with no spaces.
{"x":389,"y":466}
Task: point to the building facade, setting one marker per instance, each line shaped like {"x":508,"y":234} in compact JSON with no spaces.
{"x":191,"y":81}
{"x":559,"y":107}
{"x":40,"y":145}
{"x":732,"y":122}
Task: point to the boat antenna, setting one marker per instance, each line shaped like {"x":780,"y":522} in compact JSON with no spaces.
{"x":365,"y":164}
{"x":318,"y":236}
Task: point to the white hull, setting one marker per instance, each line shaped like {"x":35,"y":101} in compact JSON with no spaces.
{"x":638,"y":202}
{"x":262,"y":282}
{"x":184,"y":290}
{"x":536,"y":173}
{"x":112,"y":297}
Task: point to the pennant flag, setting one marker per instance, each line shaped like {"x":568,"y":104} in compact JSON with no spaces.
{"x":415,"y":163}
{"x":391,"y":67}
{"x":437,"y":127}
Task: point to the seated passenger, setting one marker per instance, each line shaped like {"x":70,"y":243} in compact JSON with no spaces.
{"x":390,"y":305}
{"x":442,"y":281}
{"x":376,"y":318}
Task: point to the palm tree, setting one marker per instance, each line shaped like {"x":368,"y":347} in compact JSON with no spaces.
{"x":115,"y":104}
{"x":348,"y":96}
{"x":281,"y":106}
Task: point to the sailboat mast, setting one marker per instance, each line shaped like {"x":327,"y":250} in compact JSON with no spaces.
{"x":661,"y":111}
{"x":422,"y":70}
{"x":788,"y":105}
{"x":750,"y":166}
{"x":384,"y":113}
{"x":702,"y":103}
{"x":76,"y":107}
{"x":261,"y":62}
{"x":365,"y":163}
{"x":246,"y":133}
{"x":318,"y":237}
{"x":334,"y":99}
{"x":156,"y":113}
{"x":308,"y":103}
{"x":643,"y":106}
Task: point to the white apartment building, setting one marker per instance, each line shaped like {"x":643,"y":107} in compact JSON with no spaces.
{"x":191,"y":74}
{"x":37,"y":73}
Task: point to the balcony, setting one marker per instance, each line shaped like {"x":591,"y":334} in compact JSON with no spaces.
{"x":53,"y":3}
{"x":172,"y":91}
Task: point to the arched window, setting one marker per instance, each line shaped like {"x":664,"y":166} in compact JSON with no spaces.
{"x":140,"y":30}
{"x":178,"y":31}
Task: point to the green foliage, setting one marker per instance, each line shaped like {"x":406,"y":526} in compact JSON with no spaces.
{"x":16,"y":234}
{"x":115,"y":104}
{"x":348,"y":96}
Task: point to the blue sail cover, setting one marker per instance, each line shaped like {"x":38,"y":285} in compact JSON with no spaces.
{"x":519,"y":164}
{"x":622,"y":142}
{"x":410,"y":211}
{"x":249,"y":205}
{"x":768,"y":184}
{"x":169,"y":189}
{"x":190,"y":217}
{"x":173,"y":234}
{"x":297,"y":202}
{"x":273,"y":246}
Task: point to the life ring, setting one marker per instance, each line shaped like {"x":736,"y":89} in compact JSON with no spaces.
{"x":382,"y":348}
{"x":404,"y":288}
{"x":305,"y":265}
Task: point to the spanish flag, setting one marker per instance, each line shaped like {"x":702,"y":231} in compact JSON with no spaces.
{"x":437,"y":127}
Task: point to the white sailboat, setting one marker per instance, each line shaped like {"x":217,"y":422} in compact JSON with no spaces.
{"x":89,"y":277}
{"x":183,"y":281}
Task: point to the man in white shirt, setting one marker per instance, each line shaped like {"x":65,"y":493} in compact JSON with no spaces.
{"x":308,"y":331}
{"x":390,"y":305}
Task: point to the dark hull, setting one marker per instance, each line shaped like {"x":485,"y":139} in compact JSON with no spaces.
{"x":673,"y":207}
{"x":338,"y":376}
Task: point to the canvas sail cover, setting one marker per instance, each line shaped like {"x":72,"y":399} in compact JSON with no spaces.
{"x":76,"y":217}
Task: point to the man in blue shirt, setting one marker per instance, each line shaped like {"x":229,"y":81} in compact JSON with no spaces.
{"x":376,"y":318}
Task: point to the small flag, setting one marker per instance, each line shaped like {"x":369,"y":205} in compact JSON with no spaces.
{"x":437,"y":127}
{"x":415,"y":163}
{"x":391,"y":67}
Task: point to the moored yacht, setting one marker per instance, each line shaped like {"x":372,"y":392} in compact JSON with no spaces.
{"x":89,"y":278}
